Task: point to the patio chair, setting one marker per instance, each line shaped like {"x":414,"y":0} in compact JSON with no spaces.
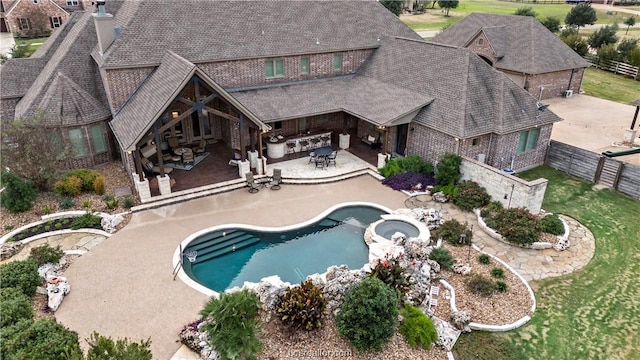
{"x":331,"y":158}
{"x":150,"y":167}
{"x":320,"y":162}
{"x":202,"y":147}
{"x":312,"y":157}
{"x":173,"y":142}
{"x":277,"y":179}
{"x":251,"y":183}
{"x":187,"y":157}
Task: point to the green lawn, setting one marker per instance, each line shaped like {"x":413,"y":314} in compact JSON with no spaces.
{"x":609,"y":86}
{"x":434,"y":19}
{"x":592,"y":313}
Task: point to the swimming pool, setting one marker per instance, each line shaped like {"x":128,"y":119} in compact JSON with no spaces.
{"x":229,"y":255}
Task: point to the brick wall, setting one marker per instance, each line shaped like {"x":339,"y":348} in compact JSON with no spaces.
{"x":27,"y":9}
{"x":429,"y":144}
{"x":481,"y":46}
{"x":554,"y":83}
{"x":506,"y":146}
{"x":121,"y":83}
{"x":91,"y":159}
{"x":510,"y":190}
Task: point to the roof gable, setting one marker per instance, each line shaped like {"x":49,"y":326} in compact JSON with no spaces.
{"x":522,"y":43}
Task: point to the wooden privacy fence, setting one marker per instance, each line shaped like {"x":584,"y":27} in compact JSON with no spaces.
{"x":595,"y":168}
{"x":614,"y":66}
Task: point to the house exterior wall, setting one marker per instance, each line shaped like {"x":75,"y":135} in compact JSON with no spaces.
{"x":122,"y":83}
{"x":92,"y":158}
{"x":251,"y":72}
{"x":554,"y":83}
{"x":430,"y":144}
{"x":27,"y":9}
{"x":503,"y":147}
{"x":481,"y":46}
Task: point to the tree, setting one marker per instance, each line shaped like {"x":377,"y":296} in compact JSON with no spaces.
{"x":629,"y":22}
{"x":33,"y":151}
{"x":603,"y":36}
{"x":38,"y":23}
{"x":577,"y":43}
{"x":633,"y":57}
{"x":581,"y":15}
{"x":448,"y":5}
{"x":625,"y":47}
{"x":608,"y":52}
{"x":552,"y":23}
{"x":526,"y":11}
{"x":393,"y":6}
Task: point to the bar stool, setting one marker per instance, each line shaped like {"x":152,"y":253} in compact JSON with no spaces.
{"x":325,"y":140}
{"x":315,"y":142}
{"x":291,"y":147}
{"x":304,"y":145}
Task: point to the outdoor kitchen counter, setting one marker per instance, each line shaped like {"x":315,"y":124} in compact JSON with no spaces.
{"x":278,"y":149}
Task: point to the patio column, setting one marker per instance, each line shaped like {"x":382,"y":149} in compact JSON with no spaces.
{"x":156,"y":138}
{"x":136,"y":160}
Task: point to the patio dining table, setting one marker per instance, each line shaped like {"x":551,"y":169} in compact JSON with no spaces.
{"x":323,"y":151}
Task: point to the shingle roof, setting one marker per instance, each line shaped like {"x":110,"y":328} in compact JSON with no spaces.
{"x":523,"y":42}
{"x":471,"y":98}
{"x":201,"y":30}
{"x":71,"y":59}
{"x":364,"y":97}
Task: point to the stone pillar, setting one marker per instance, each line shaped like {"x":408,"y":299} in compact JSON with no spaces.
{"x":243,"y":168}
{"x":261,"y":167}
{"x":344,"y":141}
{"x":629,"y":135}
{"x":382,"y":160}
{"x":142,"y":187}
{"x":253,"y":159}
{"x":164,"y":184}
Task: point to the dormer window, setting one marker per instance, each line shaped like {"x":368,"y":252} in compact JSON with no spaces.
{"x":72,"y":2}
{"x":36,"y":1}
{"x":480,"y":41}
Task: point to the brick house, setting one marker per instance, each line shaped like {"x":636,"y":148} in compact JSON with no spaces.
{"x":116,"y":86}
{"x":38,"y":17}
{"x":522,"y":48}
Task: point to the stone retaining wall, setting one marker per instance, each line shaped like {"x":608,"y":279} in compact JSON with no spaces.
{"x":510,"y":190}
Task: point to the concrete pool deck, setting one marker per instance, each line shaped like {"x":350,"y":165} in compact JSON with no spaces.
{"x":125,"y":287}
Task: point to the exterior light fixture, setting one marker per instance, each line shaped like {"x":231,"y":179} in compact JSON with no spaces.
{"x":175,"y":114}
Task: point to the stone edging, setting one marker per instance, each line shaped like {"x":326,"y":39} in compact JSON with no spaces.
{"x":495,"y":328}
{"x":45,"y":218}
{"x":534,"y":246}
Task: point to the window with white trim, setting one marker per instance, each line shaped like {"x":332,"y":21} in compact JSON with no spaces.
{"x":337,"y":62}
{"x":78,"y":145}
{"x":97,"y":139}
{"x":274,"y":68}
{"x":528,"y":140}
{"x":56,"y":21}
{"x":72,"y":2}
{"x":24,"y":23}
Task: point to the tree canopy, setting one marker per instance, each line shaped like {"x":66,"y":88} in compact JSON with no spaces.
{"x":603,"y":36}
{"x":552,"y":23}
{"x":448,"y":5}
{"x":526,"y":11}
{"x":581,"y":15}
{"x":392,"y":5}
{"x":629,"y":22}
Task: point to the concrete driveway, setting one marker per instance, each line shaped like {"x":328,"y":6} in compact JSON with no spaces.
{"x":6,"y":42}
{"x":593,"y":124}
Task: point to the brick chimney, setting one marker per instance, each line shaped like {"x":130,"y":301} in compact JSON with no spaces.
{"x":104,"y":27}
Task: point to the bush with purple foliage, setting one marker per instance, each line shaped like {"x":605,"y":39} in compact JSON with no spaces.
{"x":409,"y":181}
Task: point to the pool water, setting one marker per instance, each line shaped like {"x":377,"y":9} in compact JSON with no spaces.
{"x":387,"y":228}
{"x":228,"y":257}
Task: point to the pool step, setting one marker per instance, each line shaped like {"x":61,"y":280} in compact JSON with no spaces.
{"x":225,"y":250}
{"x":227,"y":243}
{"x":215,"y":238}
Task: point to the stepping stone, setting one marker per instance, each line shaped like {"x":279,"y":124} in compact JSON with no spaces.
{"x":122,"y":191}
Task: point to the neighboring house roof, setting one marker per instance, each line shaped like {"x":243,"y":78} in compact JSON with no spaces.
{"x":521,"y":43}
{"x":367,"y":98}
{"x":471,"y":97}
{"x":70,"y":59}
{"x":221,"y":30}
{"x":154,"y":96}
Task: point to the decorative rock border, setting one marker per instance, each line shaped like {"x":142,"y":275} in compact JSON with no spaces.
{"x":495,"y":328}
{"x":561,"y":244}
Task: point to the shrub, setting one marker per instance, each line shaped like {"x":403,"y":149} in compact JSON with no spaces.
{"x":471,"y":196}
{"x":232,"y":324}
{"x":417,"y":328}
{"x":21,"y":274}
{"x":67,"y":202}
{"x":46,"y":210}
{"x":98,"y":186}
{"x":552,"y":224}
{"x":365,"y":301}
{"x":104,"y":348}
{"x":412,"y":163}
{"x":409,"y":181}
{"x":484,"y":259}
{"x":128,"y":202}
{"x":451,"y":230}
{"x":442,"y":256}
{"x":87,"y":177}
{"x":86,"y":204}
{"x":497,"y":272}
{"x":448,"y":170}
{"x":112,"y":204}
{"x":86,"y":221}
{"x":391,"y":273}
{"x":18,"y":195}
{"x":516,"y":225}
{"x":15,"y":306}
{"x":68,"y":186}
{"x":46,"y":254}
{"x":501,"y":286}
{"x":480,"y":285}
{"x":494,"y":206}
{"x":302,"y":306}
{"x":41,"y":339}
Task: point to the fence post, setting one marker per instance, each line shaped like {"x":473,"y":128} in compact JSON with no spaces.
{"x":596,"y":177}
{"x":618,"y":174}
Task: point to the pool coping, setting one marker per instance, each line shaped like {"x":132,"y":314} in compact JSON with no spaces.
{"x":182,"y":275}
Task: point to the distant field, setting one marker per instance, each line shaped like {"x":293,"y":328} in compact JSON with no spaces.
{"x":434,"y":19}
